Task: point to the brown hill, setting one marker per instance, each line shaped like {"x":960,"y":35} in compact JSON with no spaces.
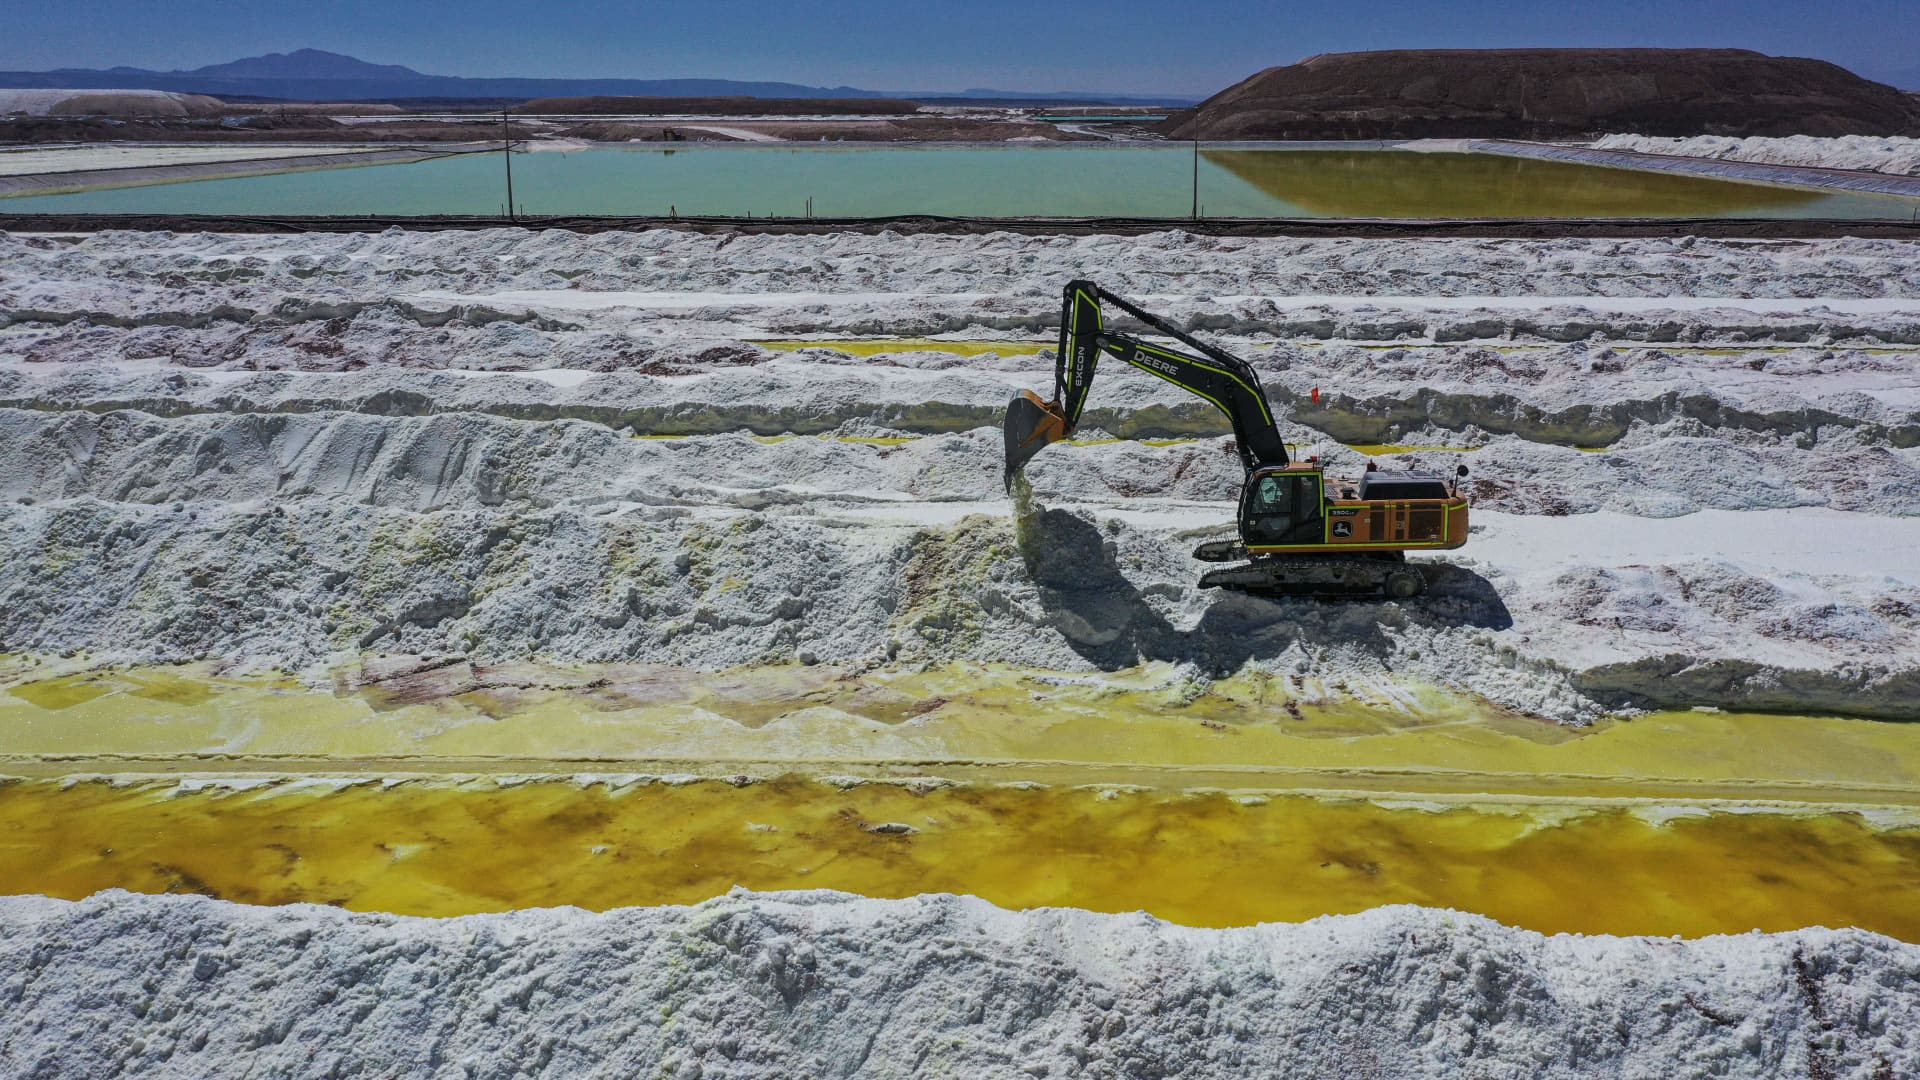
{"x":1548,"y":93}
{"x":720,"y":106}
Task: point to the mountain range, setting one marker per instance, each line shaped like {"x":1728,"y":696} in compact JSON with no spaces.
{"x":316,"y":75}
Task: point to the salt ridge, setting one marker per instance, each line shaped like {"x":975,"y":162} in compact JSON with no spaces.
{"x":828,"y":984}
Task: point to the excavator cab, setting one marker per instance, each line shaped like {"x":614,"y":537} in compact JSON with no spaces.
{"x":1283,"y":506}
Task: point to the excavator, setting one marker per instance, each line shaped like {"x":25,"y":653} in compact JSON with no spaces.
{"x":1302,"y":533}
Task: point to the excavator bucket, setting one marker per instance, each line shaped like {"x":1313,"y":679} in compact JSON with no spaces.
{"x":1032,"y":425}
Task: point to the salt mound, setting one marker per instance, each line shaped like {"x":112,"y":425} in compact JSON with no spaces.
{"x":830,"y":984}
{"x":1890,"y":154}
{"x":107,"y":103}
{"x":277,"y":449}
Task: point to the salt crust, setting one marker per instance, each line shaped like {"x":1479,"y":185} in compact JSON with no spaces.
{"x":1869,"y":153}
{"x":830,"y":984}
{"x":166,"y":499}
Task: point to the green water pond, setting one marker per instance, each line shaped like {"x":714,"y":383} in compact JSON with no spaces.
{"x":992,"y":181}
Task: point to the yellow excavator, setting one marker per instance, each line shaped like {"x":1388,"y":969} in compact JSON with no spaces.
{"x":1302,"y":533}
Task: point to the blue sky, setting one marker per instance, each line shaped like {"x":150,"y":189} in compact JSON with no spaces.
{"x":1117,"y":45}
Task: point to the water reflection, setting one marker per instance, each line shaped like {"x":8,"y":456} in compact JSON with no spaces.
{"x":1364,"y":183}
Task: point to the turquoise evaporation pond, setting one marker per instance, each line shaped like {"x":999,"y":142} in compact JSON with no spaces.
{"x":989,"y":181}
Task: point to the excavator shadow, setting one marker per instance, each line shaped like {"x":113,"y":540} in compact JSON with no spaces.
{"x":1111,"y":624}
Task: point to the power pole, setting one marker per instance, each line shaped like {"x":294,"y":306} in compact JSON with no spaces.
{"x":1196,"y":168}
{"x":506,"y":155}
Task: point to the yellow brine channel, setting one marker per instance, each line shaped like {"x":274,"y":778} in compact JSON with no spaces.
{"x":447,"y":847}
{"x":1153,"y":725}
{"x":450,"y":786}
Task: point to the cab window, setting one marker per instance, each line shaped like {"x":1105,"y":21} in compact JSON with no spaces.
{"x":1285,"y":509}
{"x":1274,"y":497}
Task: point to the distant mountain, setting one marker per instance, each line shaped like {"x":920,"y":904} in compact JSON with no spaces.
{"x":305,"y":64}
{"x":316,"y":75}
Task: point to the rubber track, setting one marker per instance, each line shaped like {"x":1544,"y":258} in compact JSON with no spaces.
{"x":1358,"y":578}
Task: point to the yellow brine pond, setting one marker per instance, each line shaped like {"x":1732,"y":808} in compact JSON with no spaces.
{"x":451,"y":787}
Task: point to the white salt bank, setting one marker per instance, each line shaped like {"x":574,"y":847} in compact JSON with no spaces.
{"x":826,"y":984}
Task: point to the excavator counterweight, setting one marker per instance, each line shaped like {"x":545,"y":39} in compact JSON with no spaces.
{"x":1301,"y":532}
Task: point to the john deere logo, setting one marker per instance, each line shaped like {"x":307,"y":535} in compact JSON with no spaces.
{"x":1154,"y":362}
{"x":1343,"y":528}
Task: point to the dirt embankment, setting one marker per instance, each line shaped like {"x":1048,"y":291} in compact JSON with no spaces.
{"x":902,"y":129}
{"x":309,"y":127}
{"x":720,"y":106}
{"x":311,"y":108}
{"x":267,"y":128}
{"x":1548,"y":93}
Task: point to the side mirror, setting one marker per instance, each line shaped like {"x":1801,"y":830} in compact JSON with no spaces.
{"x":1461,"y":471}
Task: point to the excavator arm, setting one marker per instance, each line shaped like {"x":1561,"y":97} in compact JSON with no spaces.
{"x":1224,"y":380}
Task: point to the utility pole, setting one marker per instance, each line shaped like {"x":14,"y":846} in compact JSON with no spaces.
{"x":506,"y":155}
{"x":1196,"y":168}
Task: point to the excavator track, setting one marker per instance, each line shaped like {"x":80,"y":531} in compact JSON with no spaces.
{"x":1220,"y":551}
{"x":1386,"y":577}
